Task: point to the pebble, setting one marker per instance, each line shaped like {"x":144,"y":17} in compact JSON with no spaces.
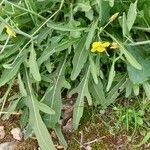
{"x":8,"y":146}
{"x":2,"y":132}
{"x":17,"y":134}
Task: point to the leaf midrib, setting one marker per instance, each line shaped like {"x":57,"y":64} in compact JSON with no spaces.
{"x":34,"y":110}
{"x":82,"y":91}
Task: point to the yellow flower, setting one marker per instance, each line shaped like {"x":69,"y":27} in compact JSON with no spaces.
{"x":99,"y":46}
{"x":10,"y":32}
{"x":114,"y":45}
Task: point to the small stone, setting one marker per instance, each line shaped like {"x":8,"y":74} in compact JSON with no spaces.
{"x":8,"y":146}
{"x":2,"y":132}
{"x":88,"y":147}
{"x":4,"y":146}
{"x":17,"y":134}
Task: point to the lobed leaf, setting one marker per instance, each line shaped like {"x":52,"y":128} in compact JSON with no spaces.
{"x":82,"y":90}
{"x":9,"y":74}
{"x":36,"y":122}
{"x":52,"y":96}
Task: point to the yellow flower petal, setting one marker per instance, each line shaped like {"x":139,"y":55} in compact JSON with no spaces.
{"x":10,"y":32}
{"x":105,"y":44}
{"x":93,"y":50}
{"x":101,"y":49}
{"x":99,"y":46}
{"x":96,"y":44}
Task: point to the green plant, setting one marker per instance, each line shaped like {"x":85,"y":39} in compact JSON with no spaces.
{"x":52,"y":52}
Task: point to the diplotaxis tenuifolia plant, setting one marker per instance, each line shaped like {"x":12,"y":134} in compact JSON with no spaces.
{"x":70,"y":47}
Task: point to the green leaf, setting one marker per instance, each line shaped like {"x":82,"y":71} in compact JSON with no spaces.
{"x":139,"y":121}
{"x":79,"y":59}
{"x":93,"y":69}
{"x":111,"y":3}
{"x":43,"y":34}
{"x":131,"y":59}
{"x":135,"y":75}
{"x":28,"y":132}
{"x":82,"y":90}
{"x":21,"y":86}
{"x":12,"y":50}
{"x":113,"y":93}
{"x":89,"y":14}
{"x":83,"y":6}
{"x":136,"y":89}
{"x":34,"y":70}
{"x":146,"y":87}
{"x":58,"y":48}
{"x":131,"y":16}
{"x":128,"y":88}
{"x":60,"y":136}
{"x":127,"y":54}
{"x":124,"y":26}
{"x":91,"y":34}
{"x":30,"y":5}
{"x":141,"y":75}
{"x":24,"y":117}
{"x":97,"y":92}
{"x":36,"y":122}
{"x":9,"y":74}
{"x":52,"y":96}
{"x":63,"y":27}
{"x":111,"y":76}
{"x":43,"y":107}
{"x":104,"y":10}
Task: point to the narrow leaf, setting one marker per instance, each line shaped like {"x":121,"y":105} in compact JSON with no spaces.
{"x":146,"y":87}
{"x":111,"y":76}
{"x":124,"y":26}
{"x":60,"y":136}
{"x":93,"y":70}
{"x":79,"y":59}
{"x":131,"y":16}
{"x":82,"y":90}
{"x":8,"y":74}
{"x":111,"y":3}
{"x":24,"y":118}
{"x":53,"y":97}
{"x":21,"y":86}
{"x":34,"y":70}
{"x":115,"y":91}
{"x":43,"y":107}
{"x":35,"y":121}
{"x":91,"y":34}
{"x":97,"y":92}
{"x":63,"y":27}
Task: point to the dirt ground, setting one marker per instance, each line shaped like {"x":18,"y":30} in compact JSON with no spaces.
{"x":93,"y":135}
